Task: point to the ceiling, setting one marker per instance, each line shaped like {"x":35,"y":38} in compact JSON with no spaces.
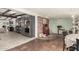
{"x":47,"y":12}
{"x":55,"y":12}
{"x":6,"y":13}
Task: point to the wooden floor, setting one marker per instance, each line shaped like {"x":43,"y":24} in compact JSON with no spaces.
{"x":41,"y":45}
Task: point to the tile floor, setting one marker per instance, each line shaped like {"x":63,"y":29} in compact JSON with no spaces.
{"x":9,"y":40}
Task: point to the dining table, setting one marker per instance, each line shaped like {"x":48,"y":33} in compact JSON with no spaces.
{"x":71,"y":39}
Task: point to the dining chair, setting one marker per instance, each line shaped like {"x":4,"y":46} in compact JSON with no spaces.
{"x":77,"y":44}
{"x":59,"y":28}
{"x":71,"y":48}
{"x":70,"y":32}
{"x":64,"y":34}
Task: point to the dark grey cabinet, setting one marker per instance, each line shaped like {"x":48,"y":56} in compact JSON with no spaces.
{"x":26,"y":25}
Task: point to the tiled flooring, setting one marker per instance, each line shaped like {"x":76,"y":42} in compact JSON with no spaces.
{"x":56,"y":44}
{"x":9,"y":40}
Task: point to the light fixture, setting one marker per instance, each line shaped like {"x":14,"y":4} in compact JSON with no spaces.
{"x":73,"y":16}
